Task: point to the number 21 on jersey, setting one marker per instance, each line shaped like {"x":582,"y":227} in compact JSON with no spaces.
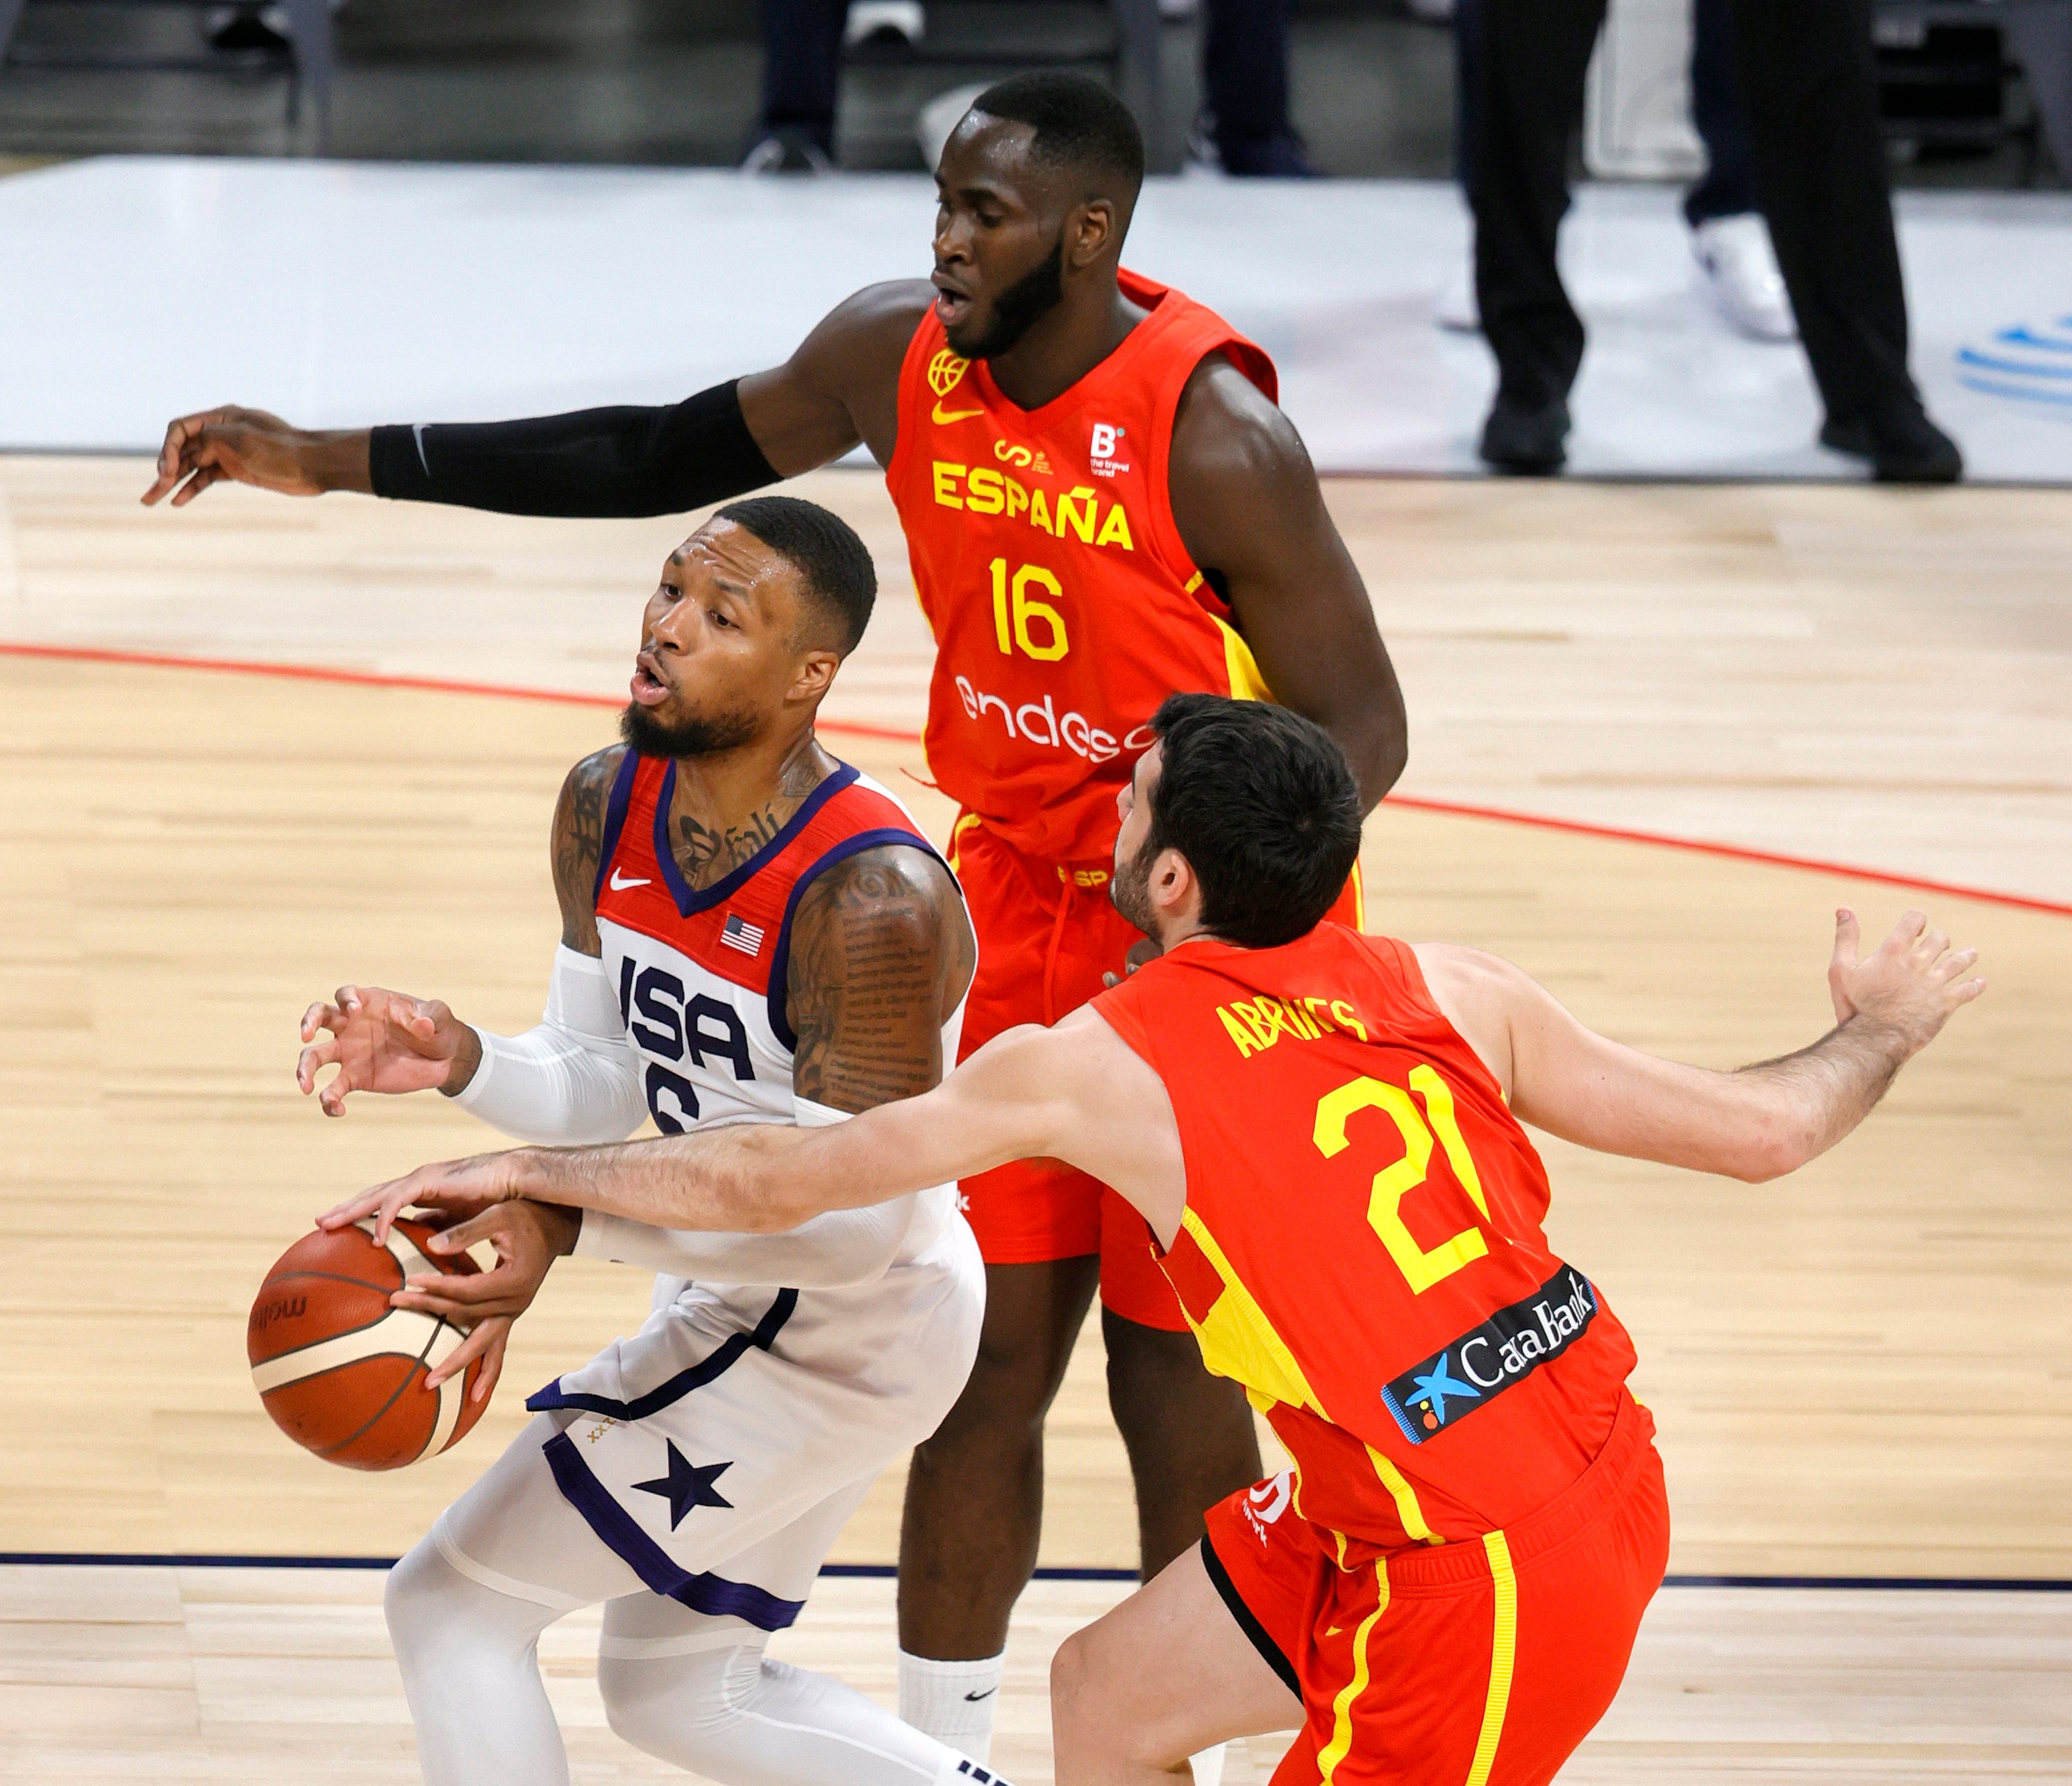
{"x":1421,"y":1266}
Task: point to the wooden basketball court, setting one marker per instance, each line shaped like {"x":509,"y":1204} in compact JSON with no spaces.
{"x":1859,"y":1373}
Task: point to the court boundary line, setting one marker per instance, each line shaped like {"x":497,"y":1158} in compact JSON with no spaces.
{"x":852,"y":728}
{"x":1932,"y":1584}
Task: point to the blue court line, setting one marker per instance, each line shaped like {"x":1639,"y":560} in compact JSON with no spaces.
{"x":1945,"y":1584}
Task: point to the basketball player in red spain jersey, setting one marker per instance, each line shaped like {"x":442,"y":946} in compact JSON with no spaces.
{"x":1324,"y":1131}
{"x":1103,"y":505}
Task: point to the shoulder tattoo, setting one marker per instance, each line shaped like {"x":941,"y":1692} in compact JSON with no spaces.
{"x":880,"y":953}
{"x":578,"y":844}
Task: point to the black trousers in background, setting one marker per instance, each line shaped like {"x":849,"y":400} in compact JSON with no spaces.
{"x":1807,"y":82}
{"x":1727,"y":187}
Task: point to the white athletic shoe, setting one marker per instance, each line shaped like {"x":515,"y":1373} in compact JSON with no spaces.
{"x":1740,"y":270}
{"x":1456,"y":310}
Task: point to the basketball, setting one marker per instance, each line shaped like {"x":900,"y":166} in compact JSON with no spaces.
{"x":342,"y":1373}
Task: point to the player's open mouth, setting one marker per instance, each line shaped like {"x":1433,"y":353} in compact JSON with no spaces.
{"x":647,"y":688}
{"x":949,"y":302}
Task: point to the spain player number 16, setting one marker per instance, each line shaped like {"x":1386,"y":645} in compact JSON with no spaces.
{"x":1016,"y":613}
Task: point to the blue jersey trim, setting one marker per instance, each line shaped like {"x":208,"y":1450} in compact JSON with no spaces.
{"x":780,"y":963}
{"x":713,"y":1595}
{"x":715,"y":1364}
{"x":614,"y":819}
{"x":688,"y":902}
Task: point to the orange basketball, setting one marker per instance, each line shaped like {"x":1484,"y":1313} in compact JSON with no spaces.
{"x":342,"y":1373}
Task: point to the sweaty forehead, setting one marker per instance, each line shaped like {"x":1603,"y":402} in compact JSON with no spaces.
{"x":998,"y":155}
{"x":732,"y":556}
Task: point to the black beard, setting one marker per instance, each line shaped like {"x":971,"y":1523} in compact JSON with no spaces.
{"x":1129,"y":891}
{"x":1021,"y":306}
{"x":701,"y":735}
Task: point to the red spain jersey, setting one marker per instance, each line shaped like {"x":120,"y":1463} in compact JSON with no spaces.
{"x":1064,"y":605}
{"x":1362,"y":1247}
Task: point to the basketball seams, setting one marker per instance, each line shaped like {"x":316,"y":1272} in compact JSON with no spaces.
{"x":409,"y":1378}
{"x":344,"y":1354}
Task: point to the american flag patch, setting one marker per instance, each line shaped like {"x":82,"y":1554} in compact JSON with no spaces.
{"x":746,"y":937}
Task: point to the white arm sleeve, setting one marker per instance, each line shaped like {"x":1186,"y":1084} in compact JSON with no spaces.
{"x":575,"y":1079}
{"x":844,"y":1246}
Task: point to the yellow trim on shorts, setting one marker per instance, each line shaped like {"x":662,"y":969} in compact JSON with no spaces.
{"x":1503,"y":1649}
{"x":1341,"y":1708}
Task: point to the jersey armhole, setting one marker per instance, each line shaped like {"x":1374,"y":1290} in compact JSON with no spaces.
{"x":1117,"y":1007}
{"x":614,"y":821}
{"x":910,"y":375}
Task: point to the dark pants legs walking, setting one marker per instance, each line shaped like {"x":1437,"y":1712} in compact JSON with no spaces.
{"x":1805,"y":81}
{"x":802,"y":67}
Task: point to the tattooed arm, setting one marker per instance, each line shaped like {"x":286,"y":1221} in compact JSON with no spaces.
{"x":881,"y":951}
{"x":579,"y":845}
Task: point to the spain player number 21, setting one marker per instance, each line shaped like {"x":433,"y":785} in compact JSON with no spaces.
{"x":1021,"y":619}
{"x":1421,"y":1266}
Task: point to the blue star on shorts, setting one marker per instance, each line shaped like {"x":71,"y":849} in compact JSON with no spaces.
{"x":687,"y":1485}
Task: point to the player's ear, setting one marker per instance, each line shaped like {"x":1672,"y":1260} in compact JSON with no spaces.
{"x":812,"y":674}
{"x":1090,"y":233}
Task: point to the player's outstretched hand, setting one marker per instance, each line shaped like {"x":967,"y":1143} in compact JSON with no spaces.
{"x":384,"y":1041}
{"x":486,"y":1340}
{"x":244,"y":445}
{"x":461,"y":1188}
{"x":1909,"y":985}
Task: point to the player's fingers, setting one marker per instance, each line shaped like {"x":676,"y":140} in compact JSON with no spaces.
{"x":1955,"y":963}
{"x":1846,"y":938}
{"x":203,"y":477}
{"x":1931,"y":945}
{"x":323,"y":1054}
{"x":454,"y":1307}
{"x":331,"y":1099}
{"x":319,"y":1016}
{"x":353,"y":1209}
{"x":1970,"y":988}
{"x":1910,"y":926}
{"x":485,"y":1226}
{"x":348,"y":999}
{"x":477,"y":1342}
{"x":493,"y":1361}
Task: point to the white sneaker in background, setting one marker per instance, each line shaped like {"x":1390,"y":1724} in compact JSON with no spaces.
{"x":1740,"y":270}
{"x":884,"y":21}
{"x":1456,"y":310}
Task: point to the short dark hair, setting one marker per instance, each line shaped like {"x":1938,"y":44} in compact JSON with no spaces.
{"x":823,"y":548}
{"x":1264,"y":806}
{"x":1078,"y":122}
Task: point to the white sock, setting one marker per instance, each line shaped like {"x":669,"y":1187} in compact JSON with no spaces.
{"x":1208,"y":1765}
{"x":953,"y":1702}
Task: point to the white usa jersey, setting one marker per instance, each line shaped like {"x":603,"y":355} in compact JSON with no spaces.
{"x":718,"y":1450}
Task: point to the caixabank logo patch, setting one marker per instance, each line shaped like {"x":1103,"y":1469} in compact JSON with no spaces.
{"x":1471,"y":1372}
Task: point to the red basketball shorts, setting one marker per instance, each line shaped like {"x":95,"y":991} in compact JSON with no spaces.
{"x":1047,"y":932}
{"x":1473,"y":1663}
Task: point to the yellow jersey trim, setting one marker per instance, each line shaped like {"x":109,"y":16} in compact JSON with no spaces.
{"x":1359,"y":898}
{"x":1405,"y":1498}
{"x":1503,"y":1649}
{"x":957,"y":832}
{"x":1237,"y":1341}
{"x":1240,"y":668}
{"x":1341,"y":1708}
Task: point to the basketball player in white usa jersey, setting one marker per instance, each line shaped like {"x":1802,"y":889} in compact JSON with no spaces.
{"x":752,"y":932}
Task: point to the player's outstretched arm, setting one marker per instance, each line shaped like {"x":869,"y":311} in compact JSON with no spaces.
{"x":1246,"y":499}
{"x":1076,"y":1093}
{"x":839,"y":387}
{"x":1757,"y":1123}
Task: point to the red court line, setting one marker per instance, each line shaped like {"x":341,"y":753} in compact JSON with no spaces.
{"x":314,"y":672}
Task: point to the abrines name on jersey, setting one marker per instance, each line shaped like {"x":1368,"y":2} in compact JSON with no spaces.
{"x":702,"y":973}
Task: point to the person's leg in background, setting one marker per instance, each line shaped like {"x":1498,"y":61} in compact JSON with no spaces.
{"x":801,"y":73}
{"x":1529,"y":61}
{"x":1808,"y":82}
{"x":1244,"y":79}
{"x":1727,"y":234}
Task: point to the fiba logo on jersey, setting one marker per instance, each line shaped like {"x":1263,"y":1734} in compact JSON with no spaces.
{"x":1107,"y":437}
{"x":946,"y":371}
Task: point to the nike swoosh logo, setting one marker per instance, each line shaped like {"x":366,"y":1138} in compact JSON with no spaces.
{"x":619,"y":884}
{"x":974,"y":1698}
{"x":954,"y":415}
